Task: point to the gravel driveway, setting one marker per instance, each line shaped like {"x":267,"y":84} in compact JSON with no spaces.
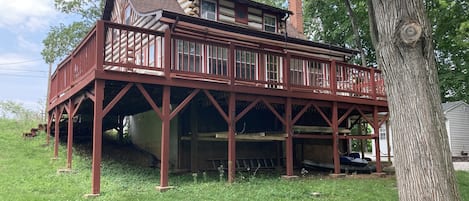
{"x":461,"y":166}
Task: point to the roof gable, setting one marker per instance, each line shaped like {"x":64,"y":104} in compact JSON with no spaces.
{"x":448,"y":106}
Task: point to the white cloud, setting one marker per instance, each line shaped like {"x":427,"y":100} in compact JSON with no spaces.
{"x":28,"y":45}
{"x":26,"y":14}
{"x":13,"y":61}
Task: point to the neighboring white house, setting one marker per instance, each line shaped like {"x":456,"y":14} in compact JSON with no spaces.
{"x":457,"y":125}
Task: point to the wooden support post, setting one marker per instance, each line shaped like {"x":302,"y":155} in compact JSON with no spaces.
{"x":194,"y":137}
{"x":335,"y":138}
{"x":231,"y":137}
{"x":376,"y":133}
{"x":165,"y":134}
{"x":71,"y":114}
{"x":231,"y":65}
{"x":167,"y":53}
{"x":97,"y":137}
{"x":57,"y":132}
{"x":49,"y":127}
{"x":289,"y":140}
{"x":333,"y":77}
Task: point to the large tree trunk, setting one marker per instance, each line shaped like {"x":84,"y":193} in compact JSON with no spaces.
{"x":405,"y":52}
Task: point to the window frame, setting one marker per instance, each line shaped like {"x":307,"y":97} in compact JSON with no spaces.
{"x":243,"y":8}
{"x":275,"y":26}
{"x":215,"y":2}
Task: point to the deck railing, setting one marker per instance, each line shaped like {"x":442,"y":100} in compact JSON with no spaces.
{"x":117,"y":47}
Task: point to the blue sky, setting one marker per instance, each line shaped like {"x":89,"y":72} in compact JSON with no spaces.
{"x":23,"y":26}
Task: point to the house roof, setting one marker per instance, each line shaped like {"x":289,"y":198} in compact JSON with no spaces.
{"x":172,"y":8}
{"x":451,"y":105}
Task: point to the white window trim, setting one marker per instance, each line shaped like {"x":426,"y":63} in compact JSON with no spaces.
{"x":264,"y":24}
{"x":216,"y":9}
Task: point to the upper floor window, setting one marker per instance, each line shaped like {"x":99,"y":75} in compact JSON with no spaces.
{"x":296,"y":71}
{"x":208,"y":10}
{"x":127,"y":16}
{"x":217,"y":60}
{"x":241,"y":13}
{"x":246,"y":63}
{"x":270,"y":23}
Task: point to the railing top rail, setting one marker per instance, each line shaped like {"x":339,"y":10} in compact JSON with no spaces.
{"x":357,"y":66}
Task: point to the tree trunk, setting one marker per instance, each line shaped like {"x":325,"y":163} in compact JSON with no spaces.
{"x":353,"y":21}
{"x":405,"y":52}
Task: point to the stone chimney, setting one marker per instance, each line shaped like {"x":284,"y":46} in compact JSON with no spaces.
{"x":296,"y":6}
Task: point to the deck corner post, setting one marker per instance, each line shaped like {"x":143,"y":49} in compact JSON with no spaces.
{"x":165,"y":135}
{"x":333,"y":77}
{"x":167,"y":53}
{"x":289,"y":142}
{"x":100,"y":40}
{"x":71,"y":111}
{"x":286,"y":71}
{"x":335,"y":137}
{"x":231,"y":137}
{"x":49,"y":127}
{"x":57,"y":132}
{"x":97,"y":137}
{"x":231,"y":64}
{"x":373,"y":83}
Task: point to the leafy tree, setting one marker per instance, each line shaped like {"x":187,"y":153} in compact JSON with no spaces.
{"x":450,"y":19}
{"x":402,"y":37}
{"x":63,"y":38}
{"x":326,"y":21}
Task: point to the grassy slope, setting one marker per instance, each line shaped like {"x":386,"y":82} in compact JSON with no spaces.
{"x":28,"y":173}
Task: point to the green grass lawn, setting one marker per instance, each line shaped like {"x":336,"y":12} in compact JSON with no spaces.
{"x":27,"y":172}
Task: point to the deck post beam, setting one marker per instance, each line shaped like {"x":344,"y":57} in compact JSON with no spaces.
{"x":289,"y":140}
{"x":117,"y":98}
{"x":194,"y":125}
{"x":300,"y":114}
{"x":97,"y":137}
{"x":231,"y":137}
{"x":71,"y":114}
{"x":165,"y":135}
{"x":376,"y":133}
{"x":149,"y":100}
{"x":58,"y":116}
{"x":335,"y":138}
{"x":49,"y":125}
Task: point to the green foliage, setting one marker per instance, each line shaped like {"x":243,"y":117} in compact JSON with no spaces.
{"x":17,"y":111}
{"x":63,"y":38}
{"x":450,"y":19}
{"x":327,"y":21}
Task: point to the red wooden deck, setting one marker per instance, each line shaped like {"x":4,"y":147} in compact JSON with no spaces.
{"x":109,"y":52}
{"x":192,"y":58}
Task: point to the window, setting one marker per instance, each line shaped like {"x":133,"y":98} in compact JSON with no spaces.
{"x":208,"y":10}
{"x":273,"y":70}
{"x":151,"y":55}
{"x":188,"y":56}
{"x":316,"y":74}
{"x":382,"y":133}
{"x":246,"y":63}
{"x":241,"y":13}
{"x":217,"y":60}
{"x":296,"y":71}
{"x":270,"y":23}
{"x":128,"y":15}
